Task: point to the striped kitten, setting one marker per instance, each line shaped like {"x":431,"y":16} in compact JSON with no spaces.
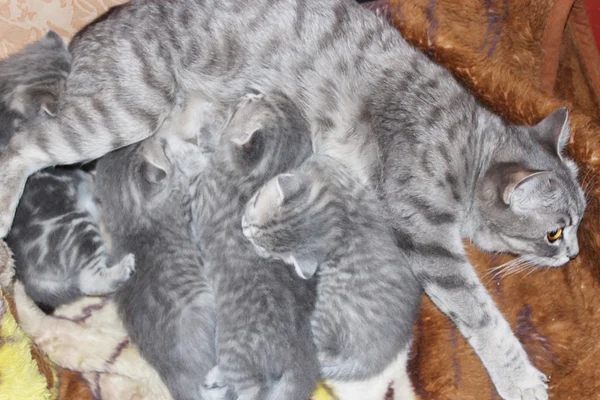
{"x":168,"y":306}
{"x":319,"y":218}
{"x":265,"y":346}
{"x":59,"y":253}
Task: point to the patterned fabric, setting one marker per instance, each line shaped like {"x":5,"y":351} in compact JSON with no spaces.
{"x":24,"y":21}
{"x":24,"y":373}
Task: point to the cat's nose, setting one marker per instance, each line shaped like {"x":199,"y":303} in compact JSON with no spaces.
{"x":572,"y":254}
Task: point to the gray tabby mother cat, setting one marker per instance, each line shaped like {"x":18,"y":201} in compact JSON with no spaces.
{"x":445,"y":167}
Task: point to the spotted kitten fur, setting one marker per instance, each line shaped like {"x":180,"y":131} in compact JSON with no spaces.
{"x":444,"y":166}
{"x":59,"y":253}
{"x":319,"y":218}
{"x":265,"y":345}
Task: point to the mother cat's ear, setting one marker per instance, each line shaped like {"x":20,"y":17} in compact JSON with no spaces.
{"x":519,"y":186}
{"x":287,"y":185}
{"x":156,"y":166}
{"x":553,"y":131}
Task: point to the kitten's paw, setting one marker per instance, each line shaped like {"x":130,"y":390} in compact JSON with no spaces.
{"x":525,"y":386}
{"x":120,"y":273}
{"x":127,"y":263}
{"x":214,"y":379}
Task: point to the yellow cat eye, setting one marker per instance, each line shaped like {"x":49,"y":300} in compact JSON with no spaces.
{"x":554,"y":235}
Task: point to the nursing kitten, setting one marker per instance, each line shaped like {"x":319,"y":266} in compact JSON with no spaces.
{"x":445,"y":167}
{"x":168,"y":306}
{"x":265,"y":346}
{"x":58,"y":248}
{"x":319,"y":218}
{"x":59,"y":254}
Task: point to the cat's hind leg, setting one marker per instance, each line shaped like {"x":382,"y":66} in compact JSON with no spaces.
{"x":395,"y":375}
{"x":98,"y":279}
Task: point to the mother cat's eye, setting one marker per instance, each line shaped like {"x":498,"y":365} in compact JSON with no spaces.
{"x":554,"y":235}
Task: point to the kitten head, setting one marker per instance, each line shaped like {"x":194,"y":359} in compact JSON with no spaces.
{"x":147,"y":182}
{"x":296,"y":217}
{"x":31,"y":82}
{"x":265,"y":135}
{"x":32,"y":79}
{"x":530,"y":201}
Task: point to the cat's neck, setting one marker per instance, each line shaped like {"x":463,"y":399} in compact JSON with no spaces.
{"x":491,"y":134}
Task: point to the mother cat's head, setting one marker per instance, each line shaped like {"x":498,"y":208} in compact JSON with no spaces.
{"x":529,"y":201}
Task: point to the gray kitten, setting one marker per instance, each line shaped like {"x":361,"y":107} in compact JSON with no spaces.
{"x":445,"y":167}
{"x":55,"y":239}
{"x":265,"y":346}
{"x":320,"y":218}
{"x":59,"y":252}
{"x":168,"y":306}
{"x":30,"y":83}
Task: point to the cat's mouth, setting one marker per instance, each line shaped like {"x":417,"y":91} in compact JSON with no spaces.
{"x":552,"y":262}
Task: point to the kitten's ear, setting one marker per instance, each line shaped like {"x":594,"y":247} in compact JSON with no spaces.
{"x":519,"y":180}
{"x":49,"y":103}
{"x":287,"y":185}
{"x":53,"y":40}
{"x":305,"y":268}
{"x":243,"y":138}
{"x":156,"y":166}
{"x":553,"y":131}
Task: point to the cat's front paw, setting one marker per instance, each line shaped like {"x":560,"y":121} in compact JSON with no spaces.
{"x":530,"y":385}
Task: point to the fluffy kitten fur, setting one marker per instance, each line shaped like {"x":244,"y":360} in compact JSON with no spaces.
{"x":55,"y":239}
{"x":445,"y":167}
{"x":319,"y":218}
{"x":58,"y":248}
{"x":265,"y":346}
{"x":168,"y":306}
{"x":30,"y":83}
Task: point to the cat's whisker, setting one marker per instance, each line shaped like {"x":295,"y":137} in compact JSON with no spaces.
{"x":502,"y":266}
{"x":534,"y":268}
{"x":506,"y":269}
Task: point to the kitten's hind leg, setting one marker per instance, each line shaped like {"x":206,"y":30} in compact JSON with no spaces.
{"x":376,"y":387}
{"x":97,"y":279}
